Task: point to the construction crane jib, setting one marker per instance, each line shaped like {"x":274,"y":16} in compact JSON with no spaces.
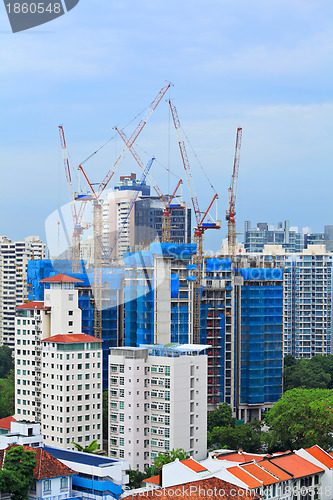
{"x":95,"y":198}
{"x":201,"y":226}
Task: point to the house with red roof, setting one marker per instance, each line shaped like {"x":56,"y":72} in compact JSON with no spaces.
{"x":52,"y":479}
{"x":5,"y":424}
{"x":287,"y":476}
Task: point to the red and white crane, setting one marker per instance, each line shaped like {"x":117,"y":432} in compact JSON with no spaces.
{"x":201,"y":225}
{"x":231,"y":212}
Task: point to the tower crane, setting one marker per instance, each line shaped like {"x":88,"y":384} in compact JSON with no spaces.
{"x":76,"y":215}
{"x":167,"y":201}
{"x":95,"y":198}
{"x":201,"y":225}
{"x":230,"y":213}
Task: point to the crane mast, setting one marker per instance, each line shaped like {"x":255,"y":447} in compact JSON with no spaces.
{"x":200,"y":229}
{"x":76,"y":215}
{"x":231,"y":212}
{"x":97,"y":202}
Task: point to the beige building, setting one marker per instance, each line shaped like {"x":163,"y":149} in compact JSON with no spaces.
{"x":157,"y":402}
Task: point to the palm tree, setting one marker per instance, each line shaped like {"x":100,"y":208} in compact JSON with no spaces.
{"x":91,"y":448}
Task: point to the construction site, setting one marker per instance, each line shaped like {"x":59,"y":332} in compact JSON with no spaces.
{"x":147,"y":280}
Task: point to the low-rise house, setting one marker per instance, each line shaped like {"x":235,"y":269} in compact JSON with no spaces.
{"x":52,"y":479}
{"x":97,"y":476}
{"x":22,"y":433}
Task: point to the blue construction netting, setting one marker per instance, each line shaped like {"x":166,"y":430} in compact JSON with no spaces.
{"x":261,"y":343}
{"x":218,"y":265}
{"x":179,"y":324}
{"x":261,"y":274}
{"x":176,"y":250}
{"x":174,"y":286}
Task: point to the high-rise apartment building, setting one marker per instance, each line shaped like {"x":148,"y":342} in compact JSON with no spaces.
{"x":58,"y":370}
{"x":307,"y":311}
{"x":256,"y":238}
{"x":157,"y":402}
{"x":123,"y":232}
{"x":14,"y":257}
{"x":241,"y":320}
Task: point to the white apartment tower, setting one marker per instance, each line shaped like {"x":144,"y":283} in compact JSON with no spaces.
{"x":307,"y":304}
{"x":14,"y":257}
{"x":58,"y":370}
{"x":157,"y":402}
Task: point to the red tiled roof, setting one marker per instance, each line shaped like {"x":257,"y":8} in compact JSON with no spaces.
{"x":47,"y":466}
{"x":192,"y":464}
{"x":32,"y":305}
{"x":245,"y":476}
{"x":281,"y":474}
{"x":197,"y":490}
{"x":296,"y":465}
{"x":240,"y":457}
{"x":153,"y":479}
{"x":60,"y":278}
{"x":263,"y":475}
{"x":321,"y":456}
{"x":5,"y":422}
{"x":70,"y":338}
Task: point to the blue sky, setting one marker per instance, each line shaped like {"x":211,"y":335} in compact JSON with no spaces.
{"x":265,"y":65}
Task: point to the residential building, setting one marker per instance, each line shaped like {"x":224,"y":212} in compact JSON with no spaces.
{"x":52,"y":479}
{"x":123,"y":232}
{"x":14,"y":257}
{"x":256,"y":238}
{"x":157,"y":402}
{"x":158,"y":309}
{"x":307,"y":310}
{"x":96,"y":476}
{"x":22,"y":433}
{"x":280,"y":476}
{"x":58,"y":369}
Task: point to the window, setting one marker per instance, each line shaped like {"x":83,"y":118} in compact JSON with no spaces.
{"x":70,"y":296}
{"x":47,"y":485}
{"x":70,"y":313}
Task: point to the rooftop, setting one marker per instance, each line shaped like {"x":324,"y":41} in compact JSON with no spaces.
{"x":60,"y":278}
{"x":196,"y":490}
{"x":296,"y":465}
{"x":5,"y":422}
{"x":325,"y":458}
{"x":32,"y":305}
{"x":47,"y":465}
{"x":71,"y":338}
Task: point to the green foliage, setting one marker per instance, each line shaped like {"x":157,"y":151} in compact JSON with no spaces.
{"x":7,"y":396}
{"x":221,"y":417}
{"x":17,"y":474}
{"x":314,"y":373}
{"x":6,"y":361}
{"x":136,"y":477}
{"x":300,"y":419}
{"x":166,"y":458}
{"x":91,"y":448}
{"x":247,"y":437}
{"x":105,"y":415}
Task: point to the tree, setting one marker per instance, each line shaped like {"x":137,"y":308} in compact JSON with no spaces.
{"x":246,"y":437}
{"x":221,"y":417}
{"x":300,"y":419}
{"x":166,"y":458}
{"x":17,"y":474}
{"x":6,"y":361}
{"x":7,"y":396}
{"x":313,"y":373}
{"x":91,"y":448}
{"x":135,"y":478}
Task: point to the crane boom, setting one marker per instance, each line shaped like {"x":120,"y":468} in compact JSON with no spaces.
{"x":186,"y":162}
{"x":133,"y":138}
